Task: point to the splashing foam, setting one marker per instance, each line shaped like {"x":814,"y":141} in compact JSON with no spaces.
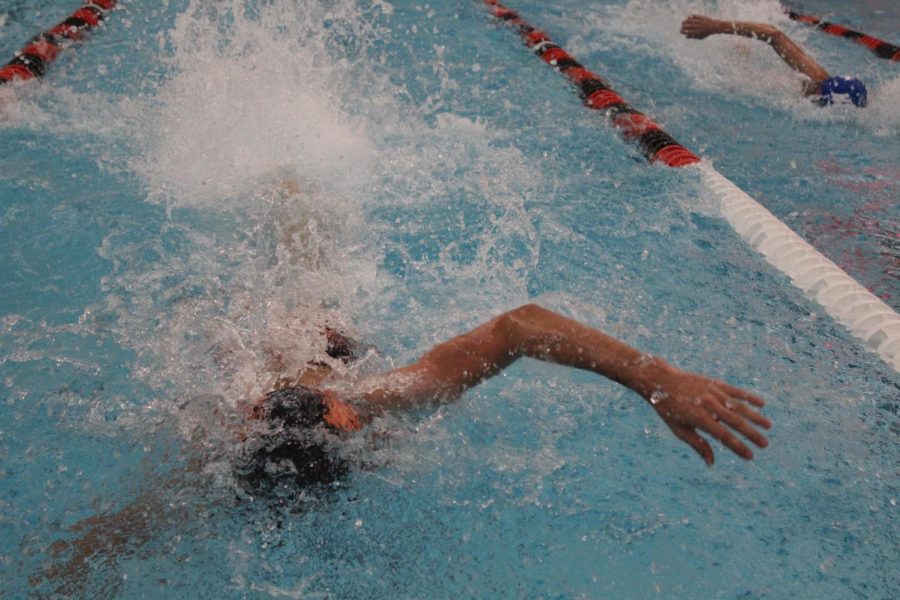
{"x":249,"y":136}
{"x":249,"y":102}
{"x":882,"y":115}
{"x":251,"y":268}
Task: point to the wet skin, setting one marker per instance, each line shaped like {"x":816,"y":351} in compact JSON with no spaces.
{"x":698,"y":27}
{"x":688,"y":403}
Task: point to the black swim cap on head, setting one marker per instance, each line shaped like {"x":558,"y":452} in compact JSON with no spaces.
{"x":295,"y":406}
{"x":291,"y":451}
{"x":343,"y":347}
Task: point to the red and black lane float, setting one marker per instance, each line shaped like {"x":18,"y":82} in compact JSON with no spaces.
{"x":32,"y":61}
{"x":655,"y":144}
{"x":879,"y":47}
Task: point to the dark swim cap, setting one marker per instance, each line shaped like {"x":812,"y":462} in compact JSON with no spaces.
{"x":843,"y":90}
{"x":295,"y":406}
{"x":344,"y":348}
{"x":291,"y":452}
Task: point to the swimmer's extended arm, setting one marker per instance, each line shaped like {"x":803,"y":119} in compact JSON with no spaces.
{"x":106,"y":538}
{"x":699,"y":27}
{"x":686,"y":402}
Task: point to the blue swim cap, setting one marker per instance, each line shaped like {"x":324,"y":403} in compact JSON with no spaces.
{"x":843,"y":90}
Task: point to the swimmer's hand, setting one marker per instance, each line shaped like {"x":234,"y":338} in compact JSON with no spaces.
{"x":689,"y":402}
{"x":698,"y":27}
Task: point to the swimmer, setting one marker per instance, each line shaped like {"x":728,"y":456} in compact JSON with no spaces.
{"x":288,"y":436}
{"x":824,"y":88}
{"x":295,"y":417}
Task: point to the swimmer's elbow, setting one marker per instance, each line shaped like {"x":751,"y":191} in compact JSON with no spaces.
{"x":511,"y":323}
{"x":529,"y":312}
{"x":770,"y":34}
{"x":774,"y":34}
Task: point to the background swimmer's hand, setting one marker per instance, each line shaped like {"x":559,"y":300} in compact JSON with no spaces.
{"x":698,"y":27}
{"x":689,"y":402}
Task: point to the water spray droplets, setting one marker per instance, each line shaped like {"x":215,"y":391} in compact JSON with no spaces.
{"x":658,"y":396}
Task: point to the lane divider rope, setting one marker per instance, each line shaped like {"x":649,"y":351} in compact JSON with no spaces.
{"x":33,"y":59}
{"x":655,"y":144}
{"x":848,"y":302}
{"x":881,"y":48}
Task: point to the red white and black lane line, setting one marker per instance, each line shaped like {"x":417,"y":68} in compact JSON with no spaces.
{"x":866,"y":316}
{"x":879,"y":47}
{"x":32,"y":60}
{"x":655,"y":144}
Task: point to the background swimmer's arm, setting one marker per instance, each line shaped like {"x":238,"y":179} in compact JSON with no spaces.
{"x":699,"y":27}
{"x":686,"y":402}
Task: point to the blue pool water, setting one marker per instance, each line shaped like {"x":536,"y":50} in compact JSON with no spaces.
{"x":445,"y":175}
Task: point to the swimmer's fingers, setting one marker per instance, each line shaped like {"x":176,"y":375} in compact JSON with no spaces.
{"x":697,"y":27}
{"x":726,"y":438}
{"x":689,"y":26}
{"x":741,"y":394}
{"x":689,"y":436}
{"x":727,"y":414}
{"x":687,"y":29}
{"x":743,"y":410}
